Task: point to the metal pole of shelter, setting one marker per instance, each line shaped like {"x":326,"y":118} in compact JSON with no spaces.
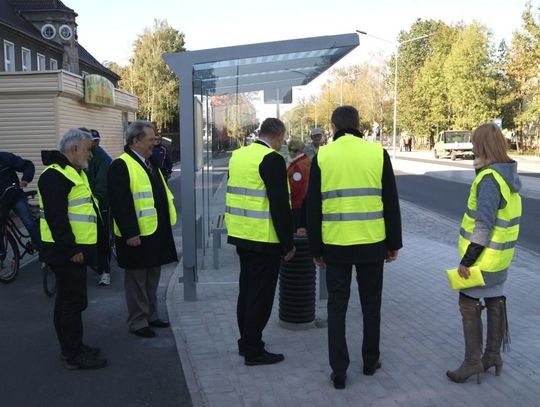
{"x":187,"y":187}
{"x":394,"y":132}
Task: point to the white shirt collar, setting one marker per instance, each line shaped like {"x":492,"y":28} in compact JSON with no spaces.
{"x":143,"y":160}
{"x":264,"y":142}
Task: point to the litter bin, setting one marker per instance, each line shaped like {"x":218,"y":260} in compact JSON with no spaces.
{"x":297,"y":287}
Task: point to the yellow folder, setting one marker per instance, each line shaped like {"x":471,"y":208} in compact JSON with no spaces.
{"x":458,"y":283}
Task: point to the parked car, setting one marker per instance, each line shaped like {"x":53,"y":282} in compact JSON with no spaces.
{"x":453,"y":144}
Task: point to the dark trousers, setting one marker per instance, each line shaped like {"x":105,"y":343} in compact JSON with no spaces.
{"x":370,"y":282}
{"x":104,"y":251}
{"x":258,"y":278}
{"x":71,"y":301}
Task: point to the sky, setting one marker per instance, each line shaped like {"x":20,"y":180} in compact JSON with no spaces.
{"x":107,"y":29}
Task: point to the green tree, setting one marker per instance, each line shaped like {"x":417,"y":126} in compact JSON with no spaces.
{"x":523,"y":76}
{"x":430,"y":108}
{"x":469,"y":71}
{"x":151,"y":79}
{"x":412,"y":56}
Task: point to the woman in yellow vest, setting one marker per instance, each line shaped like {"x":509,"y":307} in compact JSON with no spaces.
{"x":487,"y":240}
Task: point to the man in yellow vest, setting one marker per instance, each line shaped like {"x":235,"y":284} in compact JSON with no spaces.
{"x":353,"y":219}
{"x":70,"y":227}
{"x":259,"y":223}
{"x":143,"y":209}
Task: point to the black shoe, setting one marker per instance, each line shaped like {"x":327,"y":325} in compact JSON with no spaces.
{"x":265,"y":358}
{"x":145,"y":332}
{"x":242,"y":353}
{"x":84,"y":361}
{"x":85,"y":349}
{"x":338,"y":380}
{"x":370,"y":371}
{"x":159,"y":323}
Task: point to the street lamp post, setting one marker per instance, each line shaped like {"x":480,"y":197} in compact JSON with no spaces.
{"x":397,"y":45}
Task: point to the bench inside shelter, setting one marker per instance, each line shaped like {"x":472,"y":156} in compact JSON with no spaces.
{"x":218,"y":229}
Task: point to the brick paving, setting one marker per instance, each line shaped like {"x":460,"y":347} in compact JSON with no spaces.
{"x":421,"y":336}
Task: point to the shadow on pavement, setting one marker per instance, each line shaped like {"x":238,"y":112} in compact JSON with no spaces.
{"x":141,"y":372}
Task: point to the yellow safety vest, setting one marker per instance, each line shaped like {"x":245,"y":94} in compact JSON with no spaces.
{"x":81,"y":214}
{"x":143,"y":197}
{"x":247,"y":211}
{"x":351,"y":191}
{"x":498,"y":253}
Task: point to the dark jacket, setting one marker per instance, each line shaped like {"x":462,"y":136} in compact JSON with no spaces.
{"x":97,"y":172}
{"x":156,"y":249}
{"x":162,"y":158}
{"x":10,"y":164}
{"x":274,"y":175}
{"x":10,"y":191}
{"x":54,"y":189}
{"x":362,"y":253}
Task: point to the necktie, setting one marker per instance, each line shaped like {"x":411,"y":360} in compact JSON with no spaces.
{"x":149,"y":166}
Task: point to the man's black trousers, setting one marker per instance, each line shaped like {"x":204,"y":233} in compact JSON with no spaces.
{"x":71,"y":301}
{"x":370,"y":282}
{"x":258,"y":278}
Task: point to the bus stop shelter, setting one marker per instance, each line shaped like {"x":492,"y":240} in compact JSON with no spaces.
{"x":273,"y":68}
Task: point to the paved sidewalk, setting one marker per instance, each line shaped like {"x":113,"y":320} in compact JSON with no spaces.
{"x":421,"y":336}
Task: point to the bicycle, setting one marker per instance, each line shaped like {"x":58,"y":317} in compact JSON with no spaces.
{"x":16,"y":244}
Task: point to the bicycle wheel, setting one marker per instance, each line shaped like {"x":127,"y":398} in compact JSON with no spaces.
{"x":9,"y":258}
{"x":49,"y":280}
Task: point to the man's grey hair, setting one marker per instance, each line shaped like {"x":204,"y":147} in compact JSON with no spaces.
{"x":136,"y":130}
{"x":73,"y":137}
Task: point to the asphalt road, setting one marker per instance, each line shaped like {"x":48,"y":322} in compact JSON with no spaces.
{"x":141,"y":372}
{"x":467,"y":164}
{"x":450,"y":199}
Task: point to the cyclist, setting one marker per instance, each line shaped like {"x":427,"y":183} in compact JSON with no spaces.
{"x":11,"y":193}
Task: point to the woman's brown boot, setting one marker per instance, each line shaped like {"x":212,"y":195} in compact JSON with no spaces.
{"x":497,"y":334}
{"x":471,"y":311}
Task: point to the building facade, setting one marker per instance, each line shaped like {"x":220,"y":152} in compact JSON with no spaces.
{"x":41,"y":35}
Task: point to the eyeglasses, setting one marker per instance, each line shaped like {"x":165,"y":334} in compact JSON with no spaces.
{"x":293,"y":151}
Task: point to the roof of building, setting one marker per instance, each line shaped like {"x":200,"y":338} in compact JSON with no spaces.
{"x":87,"y":58}
{"x":40,"y":5}
{"x":10,"y":16}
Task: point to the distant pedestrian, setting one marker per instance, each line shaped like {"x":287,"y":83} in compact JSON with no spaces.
{"x":353,"y":219}
{"x":143,"y":210}
{"x":162,"y":156}
{"x":70,"y":232}
{"x":317,"y":140}
{"x":259,"y":224}
{"x":488,"y":236}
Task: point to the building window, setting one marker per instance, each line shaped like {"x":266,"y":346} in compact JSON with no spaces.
{"x":48,"y":31}
{"x":40,"y":62}
{"x":65,"y":32}
{"x":9,"y":56}
{"x":54,"y":64}
{"x":26,"y":59}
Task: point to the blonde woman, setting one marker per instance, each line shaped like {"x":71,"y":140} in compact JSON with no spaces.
{"x":488,"y":236}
